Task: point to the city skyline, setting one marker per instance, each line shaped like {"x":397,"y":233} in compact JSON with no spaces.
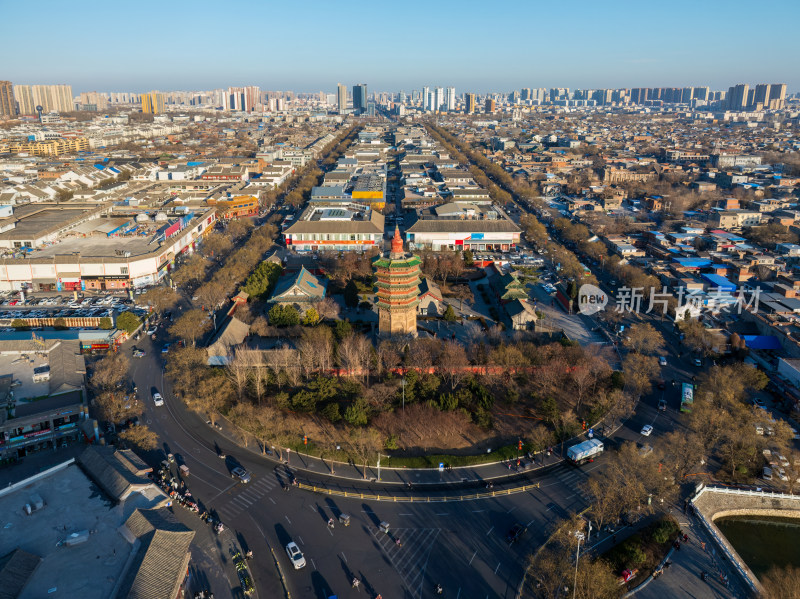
{"x":593,"y":47}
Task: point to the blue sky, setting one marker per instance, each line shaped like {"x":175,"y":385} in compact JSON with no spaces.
{"x":310,"y":45}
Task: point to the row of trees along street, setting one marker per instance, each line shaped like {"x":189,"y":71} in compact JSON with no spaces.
{"x":225,"y":260}
{"x":723,"y":428}
{"x":229,"y":257}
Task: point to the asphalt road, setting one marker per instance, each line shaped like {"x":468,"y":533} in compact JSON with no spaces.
{"x":460,"y":545}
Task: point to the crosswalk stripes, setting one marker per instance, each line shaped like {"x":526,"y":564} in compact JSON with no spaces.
{"x":254,"y":491}
{"x":577,"y":482}
{"x":410,"y":559}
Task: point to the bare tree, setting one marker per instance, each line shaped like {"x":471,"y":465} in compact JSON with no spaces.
{"x":191,"y":325}
{"x":453,"y":363}
{"x":238,"y":369}
{"x":109,"y":371}
{"x":354,"y":355}
{"x":327,"y":308}
{"x":161,"y":298}
{"x":643,"y":338}
{"x":365,"y":444}
{"x":140,"y":437}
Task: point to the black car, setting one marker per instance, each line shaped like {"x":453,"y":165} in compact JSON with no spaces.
{"x":516,"y":532}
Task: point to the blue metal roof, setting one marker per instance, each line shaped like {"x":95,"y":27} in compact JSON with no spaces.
{"x":761,"y":341}
{"x":719,"y":281}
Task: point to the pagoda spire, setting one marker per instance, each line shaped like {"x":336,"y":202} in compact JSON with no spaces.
{"x":397,"y":241}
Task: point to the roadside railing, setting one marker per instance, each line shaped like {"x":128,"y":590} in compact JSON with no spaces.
{"x":417,"y":498}
{"x":743,"y":570}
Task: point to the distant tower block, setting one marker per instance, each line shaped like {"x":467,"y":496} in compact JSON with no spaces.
{"x":397,"y":286}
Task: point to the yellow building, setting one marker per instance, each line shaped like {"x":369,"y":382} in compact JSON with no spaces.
{"x":153,"y":103}
{"x":370,"y":189}
{"x":236,"y":207}
{"x":471,"y":106}
{"x":51,"y":147}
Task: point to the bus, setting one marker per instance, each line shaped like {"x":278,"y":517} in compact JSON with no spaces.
{"x":687,"y":397}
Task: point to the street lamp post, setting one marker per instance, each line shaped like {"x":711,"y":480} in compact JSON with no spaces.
{"x":580,"y":537}
{"x":379,"y":464}
{"x":403,"y":385}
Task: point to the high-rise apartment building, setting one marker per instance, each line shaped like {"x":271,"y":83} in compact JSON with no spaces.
{"x":490,"y":105}
{"x":426,"y":98}
{"x":401,"y":97}
{"x":153,"y":103}
{"x":469,"y":101}
{"x":701,"y":93}
{"x":450,"y":99}
{"x":438,"y":98}
{"x":341,"y":98}
{"x":360,"y":98}
{"x":49,"y":97}
{"x":737,"y":96}
{"x":93,"y":101}
{"x":8,"y":105}
{"x":525,"y":94}
{"x":777,"y":95}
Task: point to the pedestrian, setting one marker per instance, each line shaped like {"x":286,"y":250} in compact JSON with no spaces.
{"x":685,"y":538}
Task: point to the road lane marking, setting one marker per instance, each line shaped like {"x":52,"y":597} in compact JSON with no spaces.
{"x":272,"y":500}
{"x":344,"y":556}
{"x":529,"y":523}
{"x":301,"y":539}
{"x":490,"y":530}
{"x":477,"y":511}
{"x":497,"y":568}
{"x":459,"y":593}
{"x":405,"y":514}
{"x":287,"y":519}
{"x":511,"y":510}
{"x":472,"y":558}
{"x":312,"y":562}
{"x":443,"y":514}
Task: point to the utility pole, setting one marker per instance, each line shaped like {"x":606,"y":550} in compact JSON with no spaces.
{"x":578,"y":535}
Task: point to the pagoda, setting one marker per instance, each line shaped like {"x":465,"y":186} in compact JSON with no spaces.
{"x":397,"y":277}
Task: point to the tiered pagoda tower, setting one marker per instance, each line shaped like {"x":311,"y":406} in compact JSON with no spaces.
{"x":397,"y":286}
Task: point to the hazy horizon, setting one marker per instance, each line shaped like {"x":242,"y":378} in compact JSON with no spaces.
{"x":585,"y":45}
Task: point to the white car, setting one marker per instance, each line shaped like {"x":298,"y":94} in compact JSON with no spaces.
{"x":157,"y":399}
{"x":295,"y":556}
{"x":662,"y":361}
{"x":646,"y":430}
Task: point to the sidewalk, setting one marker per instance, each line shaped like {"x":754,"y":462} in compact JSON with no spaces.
{"x":682,"y":578}
{"x":344,"y":474}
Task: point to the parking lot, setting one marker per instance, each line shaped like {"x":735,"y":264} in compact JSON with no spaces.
{"x":58,"y":306}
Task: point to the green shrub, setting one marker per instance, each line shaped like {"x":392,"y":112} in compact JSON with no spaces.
{"x":450,"y":314}
{"x":617,"y":380}
{"x":127,"y":321}
{"x":331,"y":412}
{"x":19,"y":324}
{"x":283,"y":316}
{"x":356,"y":413}
{"x":664,"y":531}
{"x":304,"y":401}
{"x":632,"y":551}
{"x":105,"y":323}
{"x":261,"y":282}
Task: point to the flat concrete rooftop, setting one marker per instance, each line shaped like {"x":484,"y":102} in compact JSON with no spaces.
{"x":72,"y":504}
{"x":98,"y":246}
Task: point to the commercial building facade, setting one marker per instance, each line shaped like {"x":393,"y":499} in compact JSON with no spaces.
{"x":338,"y":229}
